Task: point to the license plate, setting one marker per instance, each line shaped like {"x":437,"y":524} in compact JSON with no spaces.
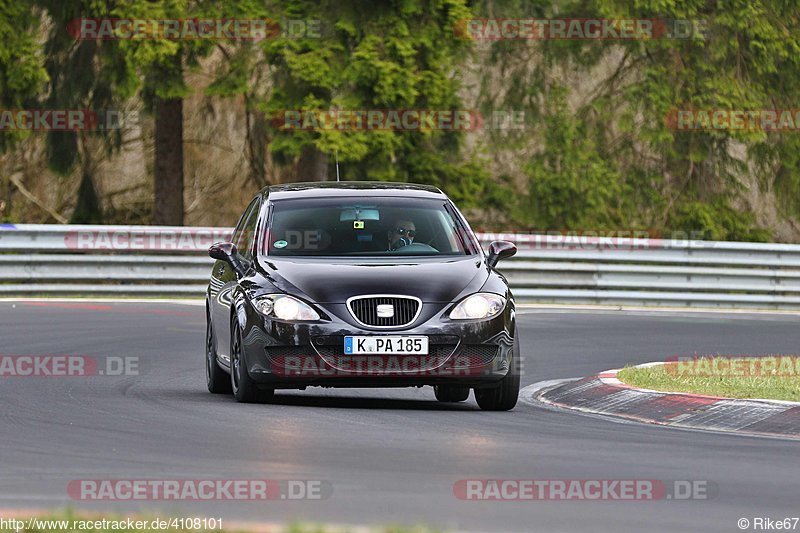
{"x":396,"y":345}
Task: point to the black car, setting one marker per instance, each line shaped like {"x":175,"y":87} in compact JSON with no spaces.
{"x":360,"y":284}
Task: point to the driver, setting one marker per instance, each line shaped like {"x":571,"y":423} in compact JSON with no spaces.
{"x":402,"y":234}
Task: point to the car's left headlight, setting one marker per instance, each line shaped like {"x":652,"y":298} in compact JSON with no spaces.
{"x":284,"y":307}
{"x":479,"y":306}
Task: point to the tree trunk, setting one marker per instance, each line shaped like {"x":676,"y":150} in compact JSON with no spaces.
{"x":257,"y":146}
{"x":169,"y":162}
{"x":312,"y":166}
{"x":87,"y":207}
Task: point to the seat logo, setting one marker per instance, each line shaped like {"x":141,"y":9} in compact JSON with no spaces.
{"x":385,"y":311}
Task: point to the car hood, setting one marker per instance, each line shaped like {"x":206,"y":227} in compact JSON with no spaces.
{"x":326,"y":281}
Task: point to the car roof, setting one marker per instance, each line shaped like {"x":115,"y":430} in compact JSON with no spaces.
{"x":320,"y":189}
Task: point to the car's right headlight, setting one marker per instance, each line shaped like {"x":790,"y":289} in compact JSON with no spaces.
{"x":479,"y":306}
{"x":284,"y":307}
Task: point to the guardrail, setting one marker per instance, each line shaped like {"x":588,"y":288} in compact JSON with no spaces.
{"x":144,"y":260}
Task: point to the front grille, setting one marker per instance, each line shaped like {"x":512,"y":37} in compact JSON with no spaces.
{"x":438,"y":352}
{"x":476,"y":355}
{"x":365,"y":310}
{"x":440,"y":349}
{"x":279,"y":353}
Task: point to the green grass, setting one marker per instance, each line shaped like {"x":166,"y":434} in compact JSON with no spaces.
{"x":774,"y":377}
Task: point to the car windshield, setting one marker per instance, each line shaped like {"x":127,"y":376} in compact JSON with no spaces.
{"x":373,"y":226}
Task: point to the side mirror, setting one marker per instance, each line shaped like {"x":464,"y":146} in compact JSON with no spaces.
{"x":500,"y":250}
{"x":226,"y":251}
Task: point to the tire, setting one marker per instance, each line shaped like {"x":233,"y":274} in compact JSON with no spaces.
{"x":504,"y":396}
{"x":217,"y":379}
{"x":450,"y":393}
{"x":245,"y":390}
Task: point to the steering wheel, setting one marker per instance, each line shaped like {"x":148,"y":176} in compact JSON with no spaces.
{"x":415,"y":247}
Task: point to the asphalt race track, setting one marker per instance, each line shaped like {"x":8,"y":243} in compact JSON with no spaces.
{"x":393,"y":455}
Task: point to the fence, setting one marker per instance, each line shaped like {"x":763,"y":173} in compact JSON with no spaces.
{"x":171,"y":261}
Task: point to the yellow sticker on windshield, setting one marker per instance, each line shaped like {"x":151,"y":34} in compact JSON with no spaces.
{"x":358,"y":224}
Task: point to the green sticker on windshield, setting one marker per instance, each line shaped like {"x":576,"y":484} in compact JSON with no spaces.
{"x":280,"y":244}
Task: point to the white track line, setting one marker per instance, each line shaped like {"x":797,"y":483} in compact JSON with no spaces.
{"x":180,"y":301}
{"x":567,"y":308}
{"x":526,"y":395}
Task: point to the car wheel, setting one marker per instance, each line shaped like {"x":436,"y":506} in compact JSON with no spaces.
{"x":217,"y":379}
{"x":450,"y":393}
{"x":245,"y":390}
{"x":504,"y":396}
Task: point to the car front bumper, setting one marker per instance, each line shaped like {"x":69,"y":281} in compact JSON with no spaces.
{"x":297,"y":355}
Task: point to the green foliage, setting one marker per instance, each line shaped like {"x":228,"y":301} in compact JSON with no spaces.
{"x":22,"y":74}
{"x":716,"y":221}
{"x":394,"y":55}
{"x":161,"y":62}
{"x":571,"y":185}
{"x":617,"y":160}
{"x":596,"y":151}
{"x":83,"y":74}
